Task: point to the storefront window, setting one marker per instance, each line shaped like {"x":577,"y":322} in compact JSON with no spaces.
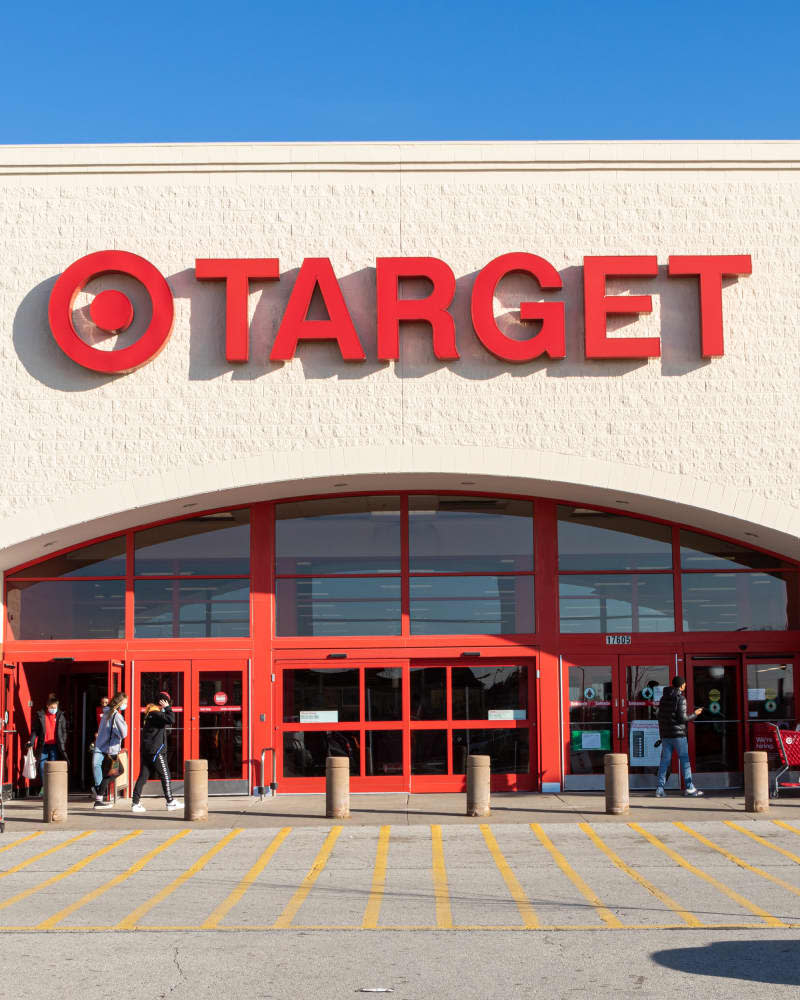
{"x":598,"y":540}
{"x":338,"y":567}
{"x":429,"y":751}
{"x":706,"y":552}
{"x":66,"y":609}
{"x":490,"y":692}
{"x":334,"y":606}
{"x":320,"y":695}
{"x":616,"y":602}
{"x":732,"y":602}
{"x":471,"y":563}
{"x":338,"y":537}
{"x":191,"y":608}
{"x":106,"y":558}
{"x":508,"y":748}
{"x":209,"y":545}
{"x":470,"y":535}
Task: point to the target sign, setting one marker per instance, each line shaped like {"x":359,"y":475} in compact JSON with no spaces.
{"x":111,"y":311}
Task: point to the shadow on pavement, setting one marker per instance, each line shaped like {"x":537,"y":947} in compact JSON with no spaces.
{"x":756,"y":961}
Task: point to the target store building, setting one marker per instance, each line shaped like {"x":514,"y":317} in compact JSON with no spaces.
{"x":403,"y":451}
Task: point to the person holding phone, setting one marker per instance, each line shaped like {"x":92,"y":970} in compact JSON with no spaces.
{"x":153,"y":754}
{"x":673,"y":718}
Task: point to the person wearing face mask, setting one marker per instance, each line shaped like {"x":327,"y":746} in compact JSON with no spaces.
{"x":49,"y":735}
{"x":157,"y":721}
{"x":110,"y":737}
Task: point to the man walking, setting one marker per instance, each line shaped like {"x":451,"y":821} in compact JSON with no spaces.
{"x":672,"y":722}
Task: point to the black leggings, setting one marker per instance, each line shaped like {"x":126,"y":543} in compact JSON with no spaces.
{"x":157,"y":765}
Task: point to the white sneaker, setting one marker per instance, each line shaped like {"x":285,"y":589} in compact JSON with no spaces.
{"x":175,"y":804}
{"x":137,"y":807}
{"x":103,"y":805}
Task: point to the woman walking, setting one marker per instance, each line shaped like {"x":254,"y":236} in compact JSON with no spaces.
{"x":153,"y":757}
{"x":113,"y":731}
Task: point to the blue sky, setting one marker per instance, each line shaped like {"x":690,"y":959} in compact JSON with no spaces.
{"x":355,"y":70}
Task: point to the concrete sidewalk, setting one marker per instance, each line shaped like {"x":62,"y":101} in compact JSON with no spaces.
{"x":401,"y":808}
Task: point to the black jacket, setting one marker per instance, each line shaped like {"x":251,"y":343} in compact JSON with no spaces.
{"x":672,"y":714}
{"x":154,"y":732}
{"x":38,"y":731}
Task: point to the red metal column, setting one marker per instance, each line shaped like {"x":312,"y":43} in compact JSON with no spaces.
{"x":548,"y":692}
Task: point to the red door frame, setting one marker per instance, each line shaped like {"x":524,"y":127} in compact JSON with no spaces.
{"x":758,"y":658}
{"x":11,"y":761}
{"x":731,"y":660}
{"x":618,"y":662}
{"x":358,"y":783}
{"x":408,"y":782}
{"x":190,"y":670}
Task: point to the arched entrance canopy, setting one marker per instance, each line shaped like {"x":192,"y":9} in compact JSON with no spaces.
{"x":738,"y":514}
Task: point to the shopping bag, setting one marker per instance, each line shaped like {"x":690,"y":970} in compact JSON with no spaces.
{"x":29,"y":765}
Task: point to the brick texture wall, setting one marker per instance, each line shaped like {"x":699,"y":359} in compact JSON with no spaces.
{"x":733,"y":421}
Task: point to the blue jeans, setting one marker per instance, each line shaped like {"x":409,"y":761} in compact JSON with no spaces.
{"x":679,"y":745}
{"x":49,"y":752}
{"x":97,"y":767}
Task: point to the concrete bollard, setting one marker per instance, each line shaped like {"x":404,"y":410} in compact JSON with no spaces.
{"x":54,"y":804}
{"x":756,"y":782}
{"x":195,"y":790}
{"x":337,"y":787}
{"x":616,"y":772}
{"x":479,"y":768}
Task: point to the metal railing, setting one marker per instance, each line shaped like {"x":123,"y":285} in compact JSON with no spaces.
{"x":273,"y":786}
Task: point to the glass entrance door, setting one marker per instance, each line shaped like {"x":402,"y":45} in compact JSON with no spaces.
{"x":173,"y":678}
{"x":611,"y":706}
{"x":406,"y":726}
{"x":210,"y":702}
{"x":642,"y":681}
{"x":593,"y":728}
{"x":460,"y":708}
{"x":715,"y":737}
{"x":771,"y":700}
{"x":218,"y":712}
{"x":353,"y":710}
{"x":7,"y":705}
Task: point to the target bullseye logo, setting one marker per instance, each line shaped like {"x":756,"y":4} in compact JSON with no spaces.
{"x":111,"y":311}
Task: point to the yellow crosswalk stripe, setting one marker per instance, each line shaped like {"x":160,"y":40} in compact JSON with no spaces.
{"x":734,"y":859}
{"x":45,"y":854}
{"x":526,"y":911}
{"x":51,"y":922}
{"x":133,"y":918}
{"x":720,"y":886}
{"x":294,"y":904}
{"x":764,"y":841}
{"x":441,"y":891}
{"x":78,"y":866}
{"x":373,"y":908}
{"x":228,"y":904}
{"x":605,"y":914}
{"x":668,"y":901}
{"x":21,"y":840}
{"x":787,"y":826}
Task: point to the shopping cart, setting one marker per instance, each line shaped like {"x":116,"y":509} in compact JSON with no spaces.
{"x":787,"y":743}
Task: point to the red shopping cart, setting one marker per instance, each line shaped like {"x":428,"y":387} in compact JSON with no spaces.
{"x":787,"y":743}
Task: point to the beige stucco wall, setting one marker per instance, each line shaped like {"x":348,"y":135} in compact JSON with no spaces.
{"x":714,"y":443}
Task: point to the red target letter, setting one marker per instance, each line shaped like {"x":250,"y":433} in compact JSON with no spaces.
{"x":549,"y":340}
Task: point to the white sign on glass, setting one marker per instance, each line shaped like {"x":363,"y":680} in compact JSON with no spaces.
{"x":507,"y":714}
{"x":591,"y":741}
{"x":319,"y":717}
